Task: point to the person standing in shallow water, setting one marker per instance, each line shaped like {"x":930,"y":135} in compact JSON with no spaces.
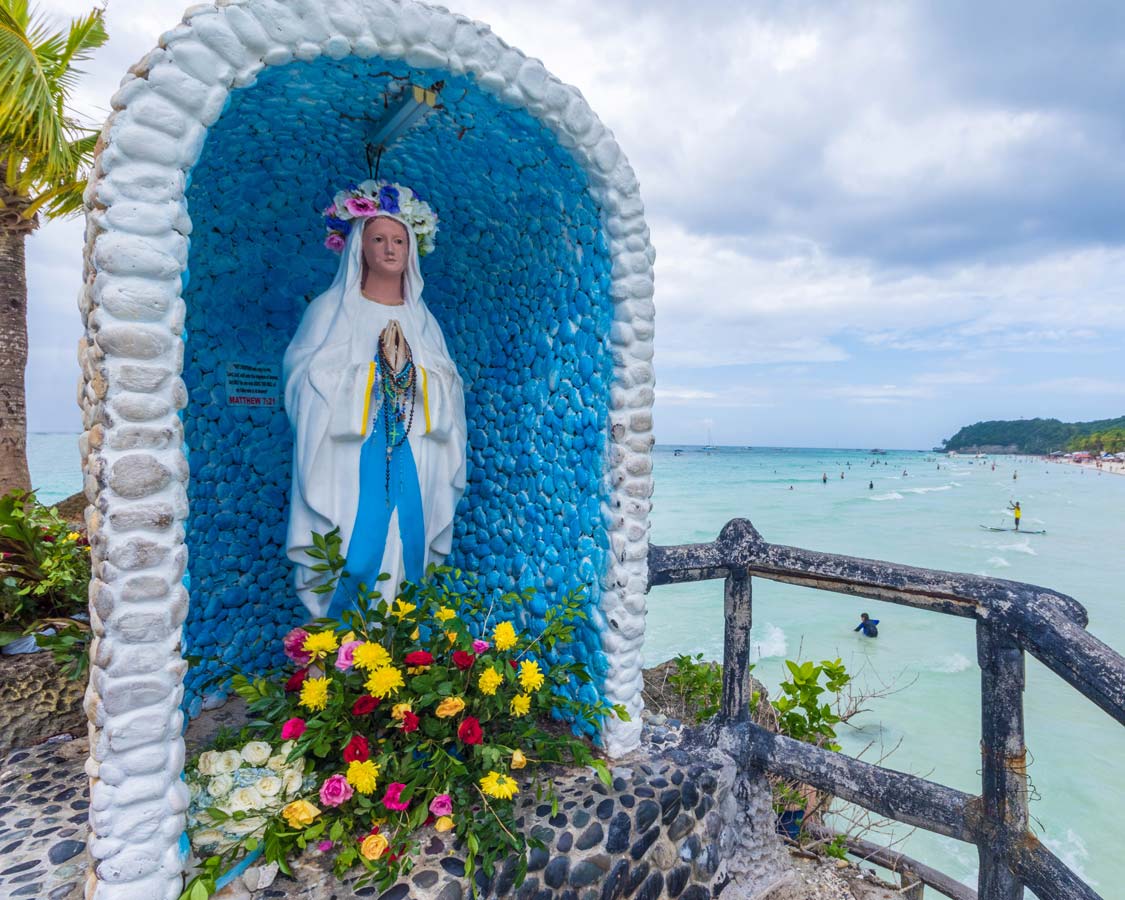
{"x":867,"y":625}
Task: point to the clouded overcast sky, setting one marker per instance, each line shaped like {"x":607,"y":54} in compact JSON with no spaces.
{"x":874,"y":222}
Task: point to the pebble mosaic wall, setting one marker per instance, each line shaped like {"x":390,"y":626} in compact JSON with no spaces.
{"x":139,"y":374}
{"x":520,"y":282}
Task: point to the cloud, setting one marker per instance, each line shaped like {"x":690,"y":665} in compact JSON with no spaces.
{"x":869,"y":194}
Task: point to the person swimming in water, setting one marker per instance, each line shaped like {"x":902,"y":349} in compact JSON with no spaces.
{"x":871,"y":485}
{"x":867,"y":626}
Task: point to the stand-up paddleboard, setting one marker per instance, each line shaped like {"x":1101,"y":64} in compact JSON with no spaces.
{"x":1019,"y":531}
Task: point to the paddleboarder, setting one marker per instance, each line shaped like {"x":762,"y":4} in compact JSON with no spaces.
{"x":1017,"y":512}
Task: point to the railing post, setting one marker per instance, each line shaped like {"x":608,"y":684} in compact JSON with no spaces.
{"x":736,"y":646}
{"x":1004,"y":759}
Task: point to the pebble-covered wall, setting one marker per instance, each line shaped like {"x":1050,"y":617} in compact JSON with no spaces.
{"x":520,"y":282}
{"x":135,"y":385}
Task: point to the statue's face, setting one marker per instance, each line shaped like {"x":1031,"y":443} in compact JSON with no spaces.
{"x":385,"y":246}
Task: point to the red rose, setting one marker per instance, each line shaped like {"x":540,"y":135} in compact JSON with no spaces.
{"x":513,"y":664}
{"x":357,"y":749}
{"x":470,"y":732}
{"x":409,"y":722}
{"x":364,"y":705}
{"x":419,"y":658}
{"x":296,"y":680}
{"x":463,"y":660}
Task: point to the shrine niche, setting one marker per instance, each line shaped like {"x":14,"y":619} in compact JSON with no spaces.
{"x":205,"y":245}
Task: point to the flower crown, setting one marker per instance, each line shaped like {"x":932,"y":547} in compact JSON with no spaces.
{"x":369,"y":198}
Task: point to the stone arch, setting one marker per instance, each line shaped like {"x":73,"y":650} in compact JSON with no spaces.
{"x":139,"y":374}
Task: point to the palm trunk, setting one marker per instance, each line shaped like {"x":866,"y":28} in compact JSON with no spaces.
{"x":13,"y":361}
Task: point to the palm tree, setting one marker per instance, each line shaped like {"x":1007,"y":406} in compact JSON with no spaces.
{"x":44,"y":155}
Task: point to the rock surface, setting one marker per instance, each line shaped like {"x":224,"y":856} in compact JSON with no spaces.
{"x":37,"y":702}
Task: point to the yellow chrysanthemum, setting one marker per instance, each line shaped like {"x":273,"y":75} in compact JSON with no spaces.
{"x":489,"y":681}
{"x":504,"y":637}
{"x":73,"y":536}
{"x":531,"y":679}
{"x":300,"y":814}
{"x":449,"y":707}
{"x":452,"y":635}
{"x":520,"y":705}
{"x":370,"y":656}
{"x":384,"y":682}
{"x":402,"y":610}
{"x":314,"y":693}
{"x":363,"y":776}
{"x":319,"y":645}
{"x":399,"y":710}
{"x":445,"y":614}
{"x":499,"y":786}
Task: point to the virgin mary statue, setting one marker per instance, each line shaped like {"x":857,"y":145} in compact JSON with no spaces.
{"x":376,"y":404}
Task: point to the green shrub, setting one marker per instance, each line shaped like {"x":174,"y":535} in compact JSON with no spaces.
{"x":44,"y":572}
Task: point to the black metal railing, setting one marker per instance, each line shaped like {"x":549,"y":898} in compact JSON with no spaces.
{"x":1012,"y":618}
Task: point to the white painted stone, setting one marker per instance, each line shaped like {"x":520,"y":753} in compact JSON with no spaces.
{"x":138,"y":475}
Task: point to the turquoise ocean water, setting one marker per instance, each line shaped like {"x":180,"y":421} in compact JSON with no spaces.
{"x":928,"y":517}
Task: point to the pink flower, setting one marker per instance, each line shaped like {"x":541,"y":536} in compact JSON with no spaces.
{"x":330,"y":210}
{"x":292,"y":729}
{"x":294,"y":644}
{"x":480,"y":646}
{"x":442,"y":805}
{"x":344,"y":655}
{"x":335,"y":791}
{"x":324,"y":846}
{"x":335,"y":242}
{"x":391,"y":799}
{"x":361,"y":206}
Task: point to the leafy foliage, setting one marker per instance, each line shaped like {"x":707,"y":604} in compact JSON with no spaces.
{"x":1112,"y":440}
{"x":44,"y":567}
{"x":43,"y":151}
{"x":699,"y":685}
{"x":1029,"y":435}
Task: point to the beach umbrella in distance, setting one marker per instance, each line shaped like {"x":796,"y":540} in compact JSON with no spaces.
{"x":44,"y":156}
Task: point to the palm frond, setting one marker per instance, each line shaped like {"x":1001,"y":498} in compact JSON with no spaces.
{"x":46,"y":150}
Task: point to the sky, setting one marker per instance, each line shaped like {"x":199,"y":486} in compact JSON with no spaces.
{"x":874,"y":223}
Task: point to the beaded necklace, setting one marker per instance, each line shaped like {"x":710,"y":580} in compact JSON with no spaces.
{"x":399,"y":390}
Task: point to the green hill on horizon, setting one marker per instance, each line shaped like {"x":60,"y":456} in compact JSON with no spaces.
{"x":1026,"y":435}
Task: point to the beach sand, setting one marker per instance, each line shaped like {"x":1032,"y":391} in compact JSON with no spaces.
{"x":1110,"y":467}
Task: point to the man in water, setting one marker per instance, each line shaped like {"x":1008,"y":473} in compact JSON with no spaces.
{"x":1017,"y":512}
{"x":867,"y":626}
{"x":871,"y":485}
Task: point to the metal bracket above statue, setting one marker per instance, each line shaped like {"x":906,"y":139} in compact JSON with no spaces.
{"x":376,"y":404}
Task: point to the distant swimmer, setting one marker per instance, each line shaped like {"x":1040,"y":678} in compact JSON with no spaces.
{"x":1017,"y":512}
{"x":1015,"y":475}
{"x":871,"y":485}
{"x":790,"y":487}
{"x":841,"y":474}
{"x":904,"y":473}
{"x":867,"y":625}
{"x":824,"y":478}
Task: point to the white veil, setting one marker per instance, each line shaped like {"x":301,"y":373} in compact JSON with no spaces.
{"x":324,"y":492}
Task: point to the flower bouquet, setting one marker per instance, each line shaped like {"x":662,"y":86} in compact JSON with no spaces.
{"x":416,"y":715}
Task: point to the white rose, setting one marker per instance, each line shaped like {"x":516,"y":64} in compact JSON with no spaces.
{"x":220,"y":786}
{"x":291,"y":781}
{"x":276,"y":763}
{"x":209,"y":837}
{"x":245,"y":826}
{"x":229,"y":761}
{"x":244,"y":800}
{"x":256,"y":753}
{"x":206,"y":762}
{"x":286,"y":748}
{"x":341,"y":210}
{"x":369,"y":187}
{"x":194,"y":790}
{"x":268,"y":786}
